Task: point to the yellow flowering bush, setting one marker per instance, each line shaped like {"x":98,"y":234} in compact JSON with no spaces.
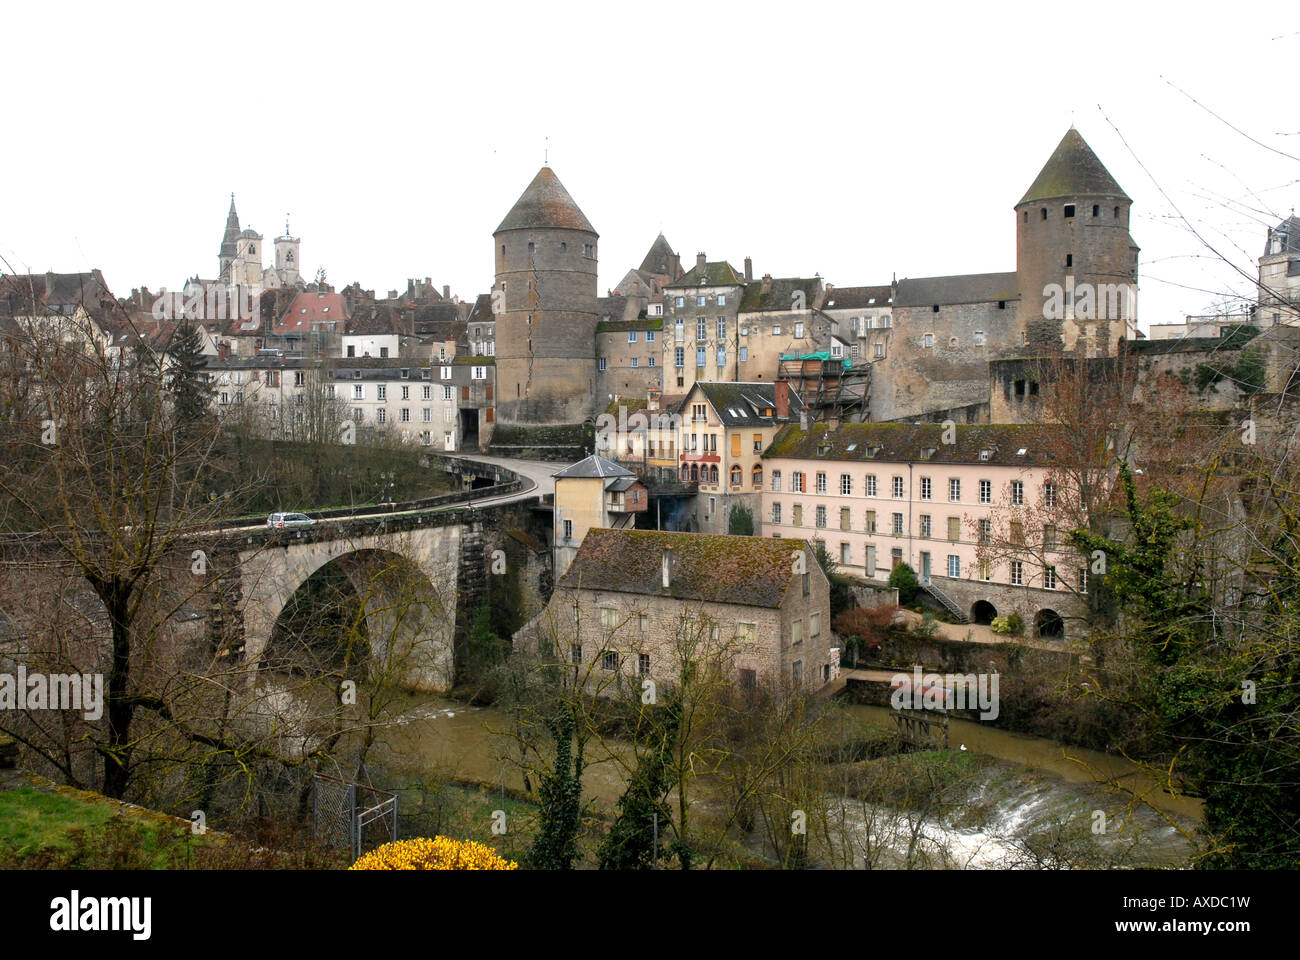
{"x":440,"y":853}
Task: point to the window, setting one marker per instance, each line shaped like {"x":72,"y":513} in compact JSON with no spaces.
{"x":383,"y":352}
{"x":846,"y":523}
{"x":925,"y":488}
{"x":602,"y":364}
{"x":699,"y":301}
{"x":1049,"y":536}
{"x":898,"y":488}
{"x":382,"y":415}
{"x":776,"y":330}
{"x":649,"y":336}
{"x":358,"y":391}
{"x":744,"y":354}
{"x":589,"y":250}
{"x":722,"y":299}
{"x":954,"y":529}
{"x":609,"y":660}
{"x":631,"y":336}
{"x":446,"y":391}
{"x":1016,"y":533}
{"x":1017,"y":573}
{"x":846,"y":484}
{"x":1049,"y":578}
{"x":722,"y":328}
{"x":426,"y":392}
{"x":776,"y":481}
{"x":986,"y":530}
{"x":979,"y":338}
{"x":406,"y":393}
{"x":1049,"y":494}
{"x":575,"y":649}
{"x":927,"y":340}
{"x":298,"y":378}
{"x":445,"y":373}
{"x":636,"y":361}
{"x":954,"y":565}
{"x":898,"y":524}
{"x":821,"y":482}
{"x":449,"y":414}
{"x":1083,"y":579}
{"x":680,"y":357}
{"x":643,"y":664}
{"x":986,"y":570}
{"x":406,"y":415}
{"x":758,"y":443}
{"x":954,"y":490}
{"x":381,"y":392}
{"x":796,"y":633}
{"x":798,"y":330}
{"x":986,"y":491}
{"x":846,"y":553}
{"x":1069,"y":211}
{"x":680,"y":302}
{"x":814,"y":626}
{"x":532,"y":247}
{"x":870,"y":522}
{"x":796,"y":513}
{"x":821,"y":516}
{"x":925,"y":526}
{"x":650,"y":361}
{"x":736,"y":475}
{"x":880,"y":350}
{"x":480,"y":373}
{"x":796,"y":482}
{"x":1017,"y":493}
{"x":722,"y":356}
{"x":700,"y":331}
{"x":609,"y":617}
{"x":776,"y":513}
{"x":426,"y":414}
{"x":871,"y":484}
{"x":700,"y":358}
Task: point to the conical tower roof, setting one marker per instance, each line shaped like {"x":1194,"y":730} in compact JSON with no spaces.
{"x":230,"y":242}
{"x":659,"y":260}
{"x":545,"y":204}
{"x":1073,"y":170}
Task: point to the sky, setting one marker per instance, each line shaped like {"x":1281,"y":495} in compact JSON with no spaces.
{"x":854,"y":141}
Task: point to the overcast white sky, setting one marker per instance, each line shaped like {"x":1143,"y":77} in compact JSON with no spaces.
{"x":851,"y":140}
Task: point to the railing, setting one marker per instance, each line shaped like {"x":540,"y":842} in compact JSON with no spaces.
{"x":945,"y":601}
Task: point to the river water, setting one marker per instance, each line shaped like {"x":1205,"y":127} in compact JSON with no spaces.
{"x":1029,"y":782}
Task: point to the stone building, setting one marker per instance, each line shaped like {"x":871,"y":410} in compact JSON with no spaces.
{"x":545,"y":331}
{"x":977,"y":518}
{"x":634,"y":603}
{"x":1074,"y":290}
{"x":700,"y":310}
{"x":778,"y":318}
{"x":1279,"y":275}
{"x":863,"y":316}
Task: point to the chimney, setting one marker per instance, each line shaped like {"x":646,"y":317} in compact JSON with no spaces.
{"x":667,"y":566}
{"x":803,"y":420}
{"x":782,"y":399}
{"x":700,"y":261}
{"x":749,"y":269}
{"x":446,"y":291}
{"x":767,"y":283}
{"x":676,"y":267}
{"x":652,"y":398}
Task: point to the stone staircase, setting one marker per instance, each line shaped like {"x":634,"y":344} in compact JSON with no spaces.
{"x":946,"y":602}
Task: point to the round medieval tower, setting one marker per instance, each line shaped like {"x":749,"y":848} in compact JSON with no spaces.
{"x":1076,"y":263}
{"x":544,"y":298}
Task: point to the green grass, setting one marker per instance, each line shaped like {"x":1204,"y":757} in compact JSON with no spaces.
{"x":31,"y":819}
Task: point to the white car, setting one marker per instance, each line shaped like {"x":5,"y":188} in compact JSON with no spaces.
{"x":281,"y":520}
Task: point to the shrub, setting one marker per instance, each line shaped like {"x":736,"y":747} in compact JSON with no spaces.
{"x":863,"y":628}
{"x":903,"y":579}
{"x":1011,"y":623}
{"x":928,"y":626}
{"x":440,"y":853}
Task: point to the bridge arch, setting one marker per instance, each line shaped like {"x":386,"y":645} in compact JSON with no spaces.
{"x":1049,"y":625}
{"x":982,"y":612}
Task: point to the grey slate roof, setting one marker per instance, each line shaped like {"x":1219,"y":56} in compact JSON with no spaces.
{"x":780,"y":294}
{"x":1288,"y":231}
{"x":718,"y":273}
{"x":857,"y":298}
{"x":909,"y":442}
{"x":970,"y":288}
{"x":594,"y":466}
{"x":1073,"y":170}
{"x":741,"y":404}
{"x":658,"y":261}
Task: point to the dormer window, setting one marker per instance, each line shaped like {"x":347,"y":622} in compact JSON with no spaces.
{"x":986,"y":454}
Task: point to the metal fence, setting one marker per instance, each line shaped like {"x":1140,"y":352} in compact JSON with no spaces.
{"x":352,"y":815}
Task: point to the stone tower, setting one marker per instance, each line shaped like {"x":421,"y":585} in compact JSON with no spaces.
{"x":544,"y":298}
{"x":229,"y":243}
{"x":1076,"y":263}
{"x":286,"y":256}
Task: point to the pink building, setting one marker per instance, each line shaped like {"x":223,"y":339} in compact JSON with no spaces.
{"x":977,"y":511}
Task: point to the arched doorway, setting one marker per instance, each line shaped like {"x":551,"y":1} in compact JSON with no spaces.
{"x":1048,"y":625}
{"x":982,"y":612}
